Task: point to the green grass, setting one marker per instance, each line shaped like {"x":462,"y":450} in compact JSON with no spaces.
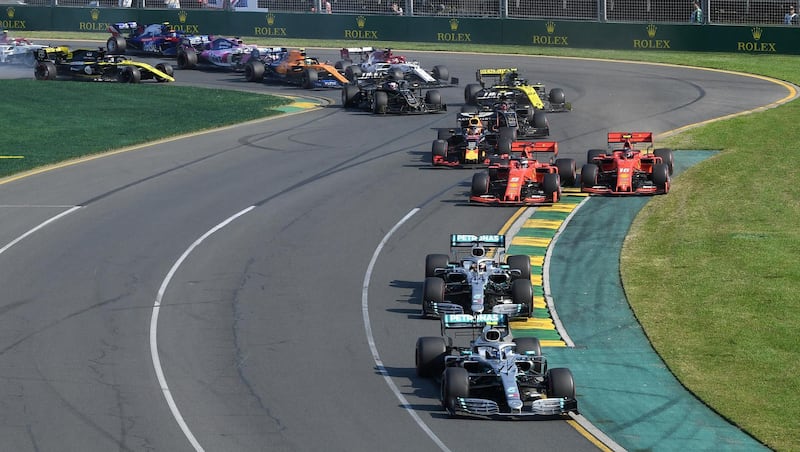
{"x":55,"y":122}
{"x":711,"y":270}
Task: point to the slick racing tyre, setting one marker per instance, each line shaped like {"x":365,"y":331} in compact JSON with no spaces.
{"x":432,"y":290}
{"x":310,"y":77}
{"x":254,"y":71}
{"x":349,"y":93}
{"x":45,"y":70}
{"x":187,"y":59}
{"x":165,"y":68}
{"x":559,"y":383}
{"x":480,"y":184}
{"x":441,"y":73}
{"x":661,"y":176}
{"x":116,"y":45}
{"x":522,"y":263}
{"x":352,"y":72}
{"x":380,"y":101}
{"x":522,"y":293}
{"x":666,"y":157}
{"x":434,"y":261}
{"x":567,"y":169}
{"x":455,"y":383}
{"x":434,"y":98}
{"x":130,"y":74}
{"x":526,"y":345}
{"x":471,"y":93}
{"x":438,"y":149}
{"x":429,"y":356}
{"x":557,"y":96}
{"x":592,"y":153}
{"x":551,"y":185}
{"x":589,"y":174}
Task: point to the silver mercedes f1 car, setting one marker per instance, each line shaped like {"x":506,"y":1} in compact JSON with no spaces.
{"x":495,"y":376}
{"x":474,"y":279}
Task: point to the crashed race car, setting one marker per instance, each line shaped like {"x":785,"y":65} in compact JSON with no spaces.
{"x":19,"y":51}
{"x":624,"y":169}
{"x":293,"y":66}
{"x":480,"y":137}
{"x":474,"y":278}
{"x":376,"y":63}
{"x":155,"y":39}
{"x":96,"y":65}
{"x":525,"y":178}
{"x":493,"y":83}
{"x":391,"y":95}
{"x":494,"y":375}
{"x":227,"y":53}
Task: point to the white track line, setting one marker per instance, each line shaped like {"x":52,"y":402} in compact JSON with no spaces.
{"x":162,"y":381}
{"x":40,"y":226}
{"x":371,"y":339}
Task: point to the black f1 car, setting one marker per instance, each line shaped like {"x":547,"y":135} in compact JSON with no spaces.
{"x":495,"y":376}
{"x":96,"y":65}
{"x":391,"y":95}
{"x":470,"y":280}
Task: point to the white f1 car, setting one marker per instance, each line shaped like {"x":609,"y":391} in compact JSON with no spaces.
{"x":470,"y":280}
{"x":496,"y":376}
{"x":19,"y":51}
{"x":382,"y":62}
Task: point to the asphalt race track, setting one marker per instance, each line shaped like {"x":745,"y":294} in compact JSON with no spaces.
{"x":271,"y":325}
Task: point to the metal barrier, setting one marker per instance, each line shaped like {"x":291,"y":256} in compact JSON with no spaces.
{"x":738,"y":12}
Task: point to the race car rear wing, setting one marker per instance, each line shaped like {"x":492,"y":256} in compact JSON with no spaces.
{"x":115,"y":28}
{"x":531,"y":147}
{"x":472,"y":323}
{"x":630,"y":138}
{"x":361,"y":51}
{"x":470,"y":240}
{"x":493,"y":74}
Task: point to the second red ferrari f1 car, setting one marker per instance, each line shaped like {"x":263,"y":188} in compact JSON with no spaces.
{"x":625,"y":170}
{"x":524,"y":179}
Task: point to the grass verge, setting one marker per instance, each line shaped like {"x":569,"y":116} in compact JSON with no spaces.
{"x":711,"y":269}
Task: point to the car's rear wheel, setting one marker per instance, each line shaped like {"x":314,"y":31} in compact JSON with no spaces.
{"x":441,"y":73}
{"x":254,"y":71}
{"x":349,"y":93}
{"x":559,"y":383}
{"x":429,"y":356}
{"x":310,"y":77}
{"x":434,"y":261}
{"x":455,"y":384}
{"x":352,"y":72}
{"x":116,"y":45}
{"x":187,"y":59}
{"x":522,"y":263}
{"x":471,"y":92}
{"x":45,"y":70}
{"x":567,"y":169}
{"x":380,"y":100}
{"x":480,"y":184}
{"x":589,"y":174}
{"x":438,"y":149}
{"x":130,"y":74}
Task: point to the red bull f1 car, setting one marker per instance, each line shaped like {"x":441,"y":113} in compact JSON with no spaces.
{"x":624,"y":169}
{"x":479,"y":138}
{"x":525,"y":178}
{"x":494,"y":375}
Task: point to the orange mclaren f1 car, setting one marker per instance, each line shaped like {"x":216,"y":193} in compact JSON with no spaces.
{"x":293,"y":67}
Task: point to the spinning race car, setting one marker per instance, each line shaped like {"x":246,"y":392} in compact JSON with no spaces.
{"x":471,"y":280}
{"x":625,"y":170}
{"x":96,"y":65}
{"x":494,"y":376}
{"x":19,"y":51}
{"x":155,"y":39}
{"x":524,"y":179}
{"x":293,"y":66}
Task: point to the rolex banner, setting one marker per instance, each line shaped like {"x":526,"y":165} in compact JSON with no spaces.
{"x":371,"y":30}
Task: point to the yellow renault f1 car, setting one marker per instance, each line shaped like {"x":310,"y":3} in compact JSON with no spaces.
{"x":96,"y":65}
{"x":495,"y":83}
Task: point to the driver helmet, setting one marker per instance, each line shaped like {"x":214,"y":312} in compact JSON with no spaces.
{"x":392,"y":85}
{"x":523,"y":163}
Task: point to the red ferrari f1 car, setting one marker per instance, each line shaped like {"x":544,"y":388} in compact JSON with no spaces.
{"x":524,"y":179}
{"x":625,"y":170}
